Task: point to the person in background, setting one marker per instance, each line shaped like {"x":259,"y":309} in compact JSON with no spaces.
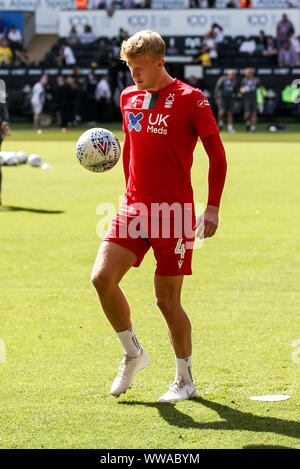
{"x":231,"y":4}
{"x":225,"y":90}
{"x":3,"y":32}
{"x":15,"y":41}
{"x":103,"y":97}
{"x":245,"y":3}
{"x":249,"y":85}
{"x":90,"y":103}
{"x":217,"y":33}
{"x":261,"y":42}
{"x":73,"y":36}
{"x":287,"y":56}
{"x":284,"y":30}
{"x":6,"y":54}
{"x":271,"y":51}
{"x":60,"y":81}
{"x":38,"y":99}
{"x":66,"y":56}
{"x":295,"y":42}
{"x":87,"y":37}
{"x":4,"y":132}
{"x":66,"y":98}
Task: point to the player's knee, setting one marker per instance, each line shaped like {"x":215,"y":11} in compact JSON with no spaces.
{"x":102,"y":281}
{"x":165,"y":304}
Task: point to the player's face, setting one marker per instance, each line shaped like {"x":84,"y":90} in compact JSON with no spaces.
{"x":145,"y":72}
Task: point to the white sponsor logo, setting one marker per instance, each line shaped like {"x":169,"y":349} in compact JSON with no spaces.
{"x":158,"y":124}
{"x":202,"y":103}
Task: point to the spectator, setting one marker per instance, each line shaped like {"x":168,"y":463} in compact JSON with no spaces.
{"x":87,"y":37}
{"x":217,"y":32}
{"x":15,"y":36}
{"x":103,"y":97}
{"x":38,"y":99}
{"x":292,"y":3}
{"x":284,"y":30}
{"x":287,"y":56}
{"x":73,"y":37}
{"x":249,"y":86}
{"x":225,"y":91}
{"x":15,"y":42}
{"x":245,"y":3}
{"x":261,"y":42}
{"x":270,"y":51}
{"x":60,"y":81}
{"x":66,"y":98}
{"x":203,"y":57}
{"x":127,"y":4}
{"x":296,"y":46}
{"x":6,"y":54}
{"x":231,"y":4}
{"x":66,"y":56}
{"x":90,"y":102}
{"x":3,"y":33}
{"x":210,"y":45}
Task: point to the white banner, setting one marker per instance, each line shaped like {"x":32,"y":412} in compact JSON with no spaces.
{"x":46,"y":12}
{"x":162,"y":4}
{"x":190,"y":22}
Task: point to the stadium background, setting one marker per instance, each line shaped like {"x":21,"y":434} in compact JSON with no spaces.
{"x":183,"y":29}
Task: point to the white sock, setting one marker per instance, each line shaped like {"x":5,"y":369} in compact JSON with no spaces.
{"x":129,"y":342}
{"x":184,"y":368}
{"x":253,"y":127}
{"x":229,"y":126}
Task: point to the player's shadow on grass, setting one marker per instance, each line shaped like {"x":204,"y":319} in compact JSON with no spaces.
{"x":232,"y":419}
{"x":13,"y":208}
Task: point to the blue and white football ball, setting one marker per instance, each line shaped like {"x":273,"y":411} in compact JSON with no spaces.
{"x":98,"y":150}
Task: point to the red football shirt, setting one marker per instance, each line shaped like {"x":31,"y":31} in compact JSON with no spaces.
{"x":161,"y":131}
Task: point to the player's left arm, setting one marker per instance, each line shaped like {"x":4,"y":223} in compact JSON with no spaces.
{"x":206,"y":127}
{"x":207,"y":223}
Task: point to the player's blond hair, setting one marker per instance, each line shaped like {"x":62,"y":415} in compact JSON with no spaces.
{"x":144,"y":43}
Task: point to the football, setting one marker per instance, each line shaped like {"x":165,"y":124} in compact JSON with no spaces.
{"x":98,"y":150}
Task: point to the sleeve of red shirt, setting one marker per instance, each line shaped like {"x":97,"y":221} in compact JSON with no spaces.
{"x":217,"y":167}
{"x":206,"y":127}
{"x":126,"y":146}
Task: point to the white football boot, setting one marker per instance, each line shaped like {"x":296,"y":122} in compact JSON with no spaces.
{"x":179,"y":391}
{"x":128,"y":368}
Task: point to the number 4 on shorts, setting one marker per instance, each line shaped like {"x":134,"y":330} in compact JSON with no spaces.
{"x":180,"y":248}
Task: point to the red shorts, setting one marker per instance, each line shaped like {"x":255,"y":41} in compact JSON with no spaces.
{"x":172,"y":249}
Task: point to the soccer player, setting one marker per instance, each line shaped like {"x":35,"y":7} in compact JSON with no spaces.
{"x":225,"y":90}
{"x":162,"y":120}
{"x":249,"y":85}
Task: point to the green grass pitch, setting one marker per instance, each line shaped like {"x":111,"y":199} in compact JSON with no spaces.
{"x":243,"y":300}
